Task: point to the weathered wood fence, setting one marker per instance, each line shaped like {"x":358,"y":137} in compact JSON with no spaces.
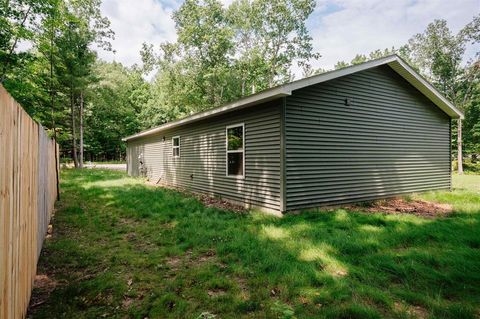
{"x":28,"y":190}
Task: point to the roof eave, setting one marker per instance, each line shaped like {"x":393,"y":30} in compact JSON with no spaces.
{"x":404,"y":70}
{"x":251,"y":100}
{"x":399,"y":66}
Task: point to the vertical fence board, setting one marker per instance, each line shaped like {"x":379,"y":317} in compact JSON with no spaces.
{"x":28,"y":184}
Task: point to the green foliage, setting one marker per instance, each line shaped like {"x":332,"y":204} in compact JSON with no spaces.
{"x":19,"y":21}
{"x":51,"y":79}
{"x":470,"y":165}
{"x":439,"y":55}
{"x":361,"y":58}
{"x":471,"y":135}
{"x":235,"y":138}
{"x":283,"y":311}
{"x":273,"y":33}
{"x":114,"y":101}
{"x":122,"y":249}
{"x":205,"y":41}
{"x":223,"y":54}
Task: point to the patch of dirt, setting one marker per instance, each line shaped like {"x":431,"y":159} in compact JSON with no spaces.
{"x":215,"y":293}
{"x":303,"y":300}
{"x":45,"y":286}
{"x":216,"y":202}
{"x":242,"y":284}
{"x":202,"y":259}
{"x":129,"y":222}
{"x":44,"y":282}
{"x":415,"y":311}
{"x":127,"y":302}
{"x":402,"y":206}
{"x":275,"y":292}
{"x":206,"y":199}
{"x":418,"y":312}
{"x":188,"y":260}
{"x":173,"y":262}
{"x":131,"y":237}
{"x":340,"y":273}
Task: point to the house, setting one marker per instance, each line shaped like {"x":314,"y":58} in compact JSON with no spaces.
{"x":364,"y":132}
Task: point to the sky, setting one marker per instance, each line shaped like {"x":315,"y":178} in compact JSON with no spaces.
{"x":340,"y":28}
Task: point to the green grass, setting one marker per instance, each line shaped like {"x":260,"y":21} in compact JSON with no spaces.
{"x":123,"y":249}
{"x":65,"y":160}
{"x":107,"y":162}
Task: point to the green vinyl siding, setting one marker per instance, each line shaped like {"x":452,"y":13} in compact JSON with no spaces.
{"x":201,"y":166}
{"x":312,"y":148}
{"x":390,"y":140}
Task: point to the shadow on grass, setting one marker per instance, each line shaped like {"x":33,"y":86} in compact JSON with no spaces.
{"x":125,"y":249}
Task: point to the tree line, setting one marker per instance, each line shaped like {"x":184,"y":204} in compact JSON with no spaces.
{"x":222,"y":53}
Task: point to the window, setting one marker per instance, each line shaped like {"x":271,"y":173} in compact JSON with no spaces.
{"x":176,"y":146}
{"x":235,"y":136}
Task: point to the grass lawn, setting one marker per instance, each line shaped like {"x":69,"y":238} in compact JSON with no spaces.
{"x":126,"y":250}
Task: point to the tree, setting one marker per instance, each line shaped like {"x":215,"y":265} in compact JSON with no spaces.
{"x":439,"y":54}
{"x":472,"y":125}
{"x":75,"y":59}
{"x":250,"y":66}
{"x":271,"y":36}
{"x":205,"y":42}
{"x":341,"y":65}
{"x":82,"y":26}
{"x":223,"y":54}
{"x":361,"y":58}
{"x":19,"y":21}
{"x":55,"y":71}
{"x":112,"y":110}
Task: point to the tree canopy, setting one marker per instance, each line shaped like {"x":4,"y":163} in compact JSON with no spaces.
{"x":222,"y":53}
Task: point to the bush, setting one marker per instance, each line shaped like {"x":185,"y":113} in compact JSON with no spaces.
{"x":468,"y":166}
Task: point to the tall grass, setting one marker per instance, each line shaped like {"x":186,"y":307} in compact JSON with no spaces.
{"x":123,"y":249}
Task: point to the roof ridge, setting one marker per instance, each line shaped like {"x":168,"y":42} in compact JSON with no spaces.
{"x":393,"y":60}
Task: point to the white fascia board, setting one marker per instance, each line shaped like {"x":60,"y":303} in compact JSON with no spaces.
{"x":415,"y":79}
{"x":399,"y":66}
{"x":324,"y":77}
{"x":261,"y":97}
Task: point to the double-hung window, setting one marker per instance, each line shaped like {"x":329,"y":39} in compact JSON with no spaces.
{"x":235,"y":139}
{"x":176,"y":146}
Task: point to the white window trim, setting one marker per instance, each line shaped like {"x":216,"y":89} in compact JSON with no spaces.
{"x":235,"y":151}
{"x":174,"y":147}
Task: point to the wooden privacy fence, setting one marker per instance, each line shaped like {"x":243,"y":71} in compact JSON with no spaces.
{"x":28,"y":190}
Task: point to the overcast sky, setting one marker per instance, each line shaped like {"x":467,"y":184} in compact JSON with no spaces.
{"x":340,"y":28}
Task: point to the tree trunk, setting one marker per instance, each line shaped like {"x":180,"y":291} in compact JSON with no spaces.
{"x":81,"y":130}
{"x":74,"y":130}
{"x":459,"y":145}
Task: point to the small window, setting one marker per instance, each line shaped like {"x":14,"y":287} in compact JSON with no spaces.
{"x":176,"y":146}
{"x":235,"y":136}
